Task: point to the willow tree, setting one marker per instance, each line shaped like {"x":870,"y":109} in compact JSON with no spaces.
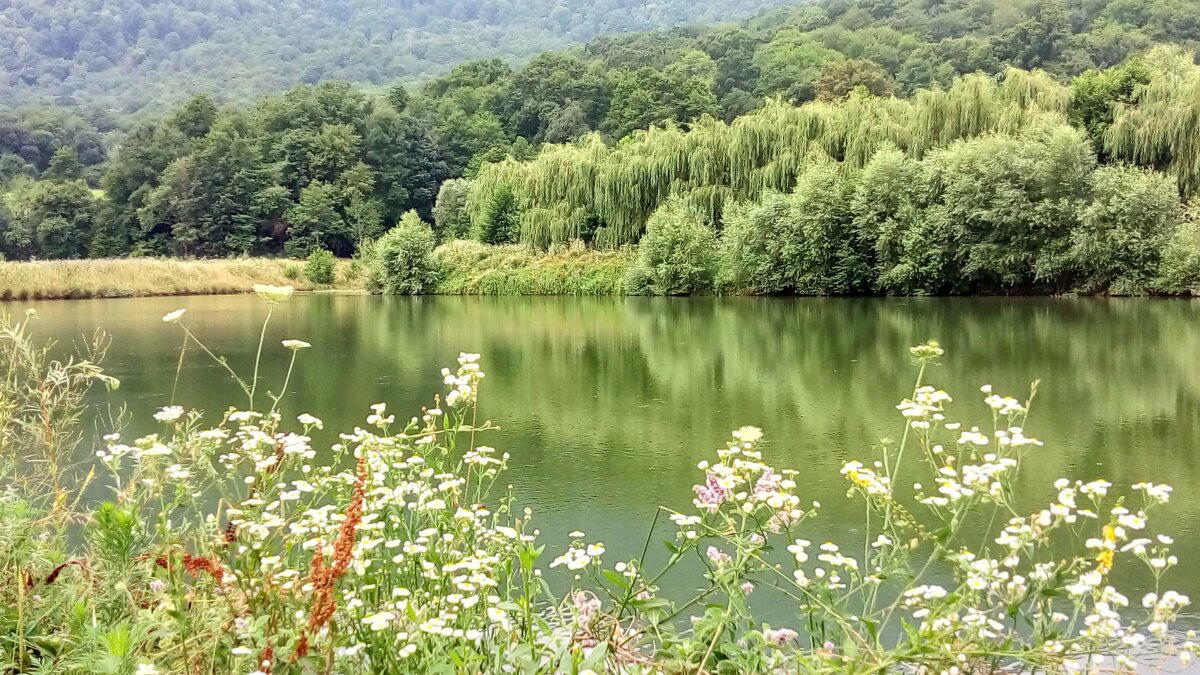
{"x":976,"y":104}
{"x":605,"y":192}
{"x":1162,"y":127}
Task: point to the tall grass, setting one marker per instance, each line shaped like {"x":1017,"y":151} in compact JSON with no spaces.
{"x":136,"y":277}
{"x":472,"y":268}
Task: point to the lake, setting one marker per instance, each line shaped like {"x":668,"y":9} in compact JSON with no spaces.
{"x":607,"y":404}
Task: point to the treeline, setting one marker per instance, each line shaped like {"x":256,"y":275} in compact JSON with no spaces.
{"x":586,"y":144}
{"x":1013,"y":185}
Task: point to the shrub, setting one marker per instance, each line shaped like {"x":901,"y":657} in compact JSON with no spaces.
{"x":1118,"y":245}
{"x":292,"y":271}
{"x":404,"y":262}
{"x":472,"y":268}
{"x":318,"y":269}
{"x":1010,"y":203}
{"x":1179,"y":272}
{"x":750,"y":260}
{"x":803,"y":243}
{"x":677,"y":255}
{"x":450,"y":218}
{"x":886,"y":208}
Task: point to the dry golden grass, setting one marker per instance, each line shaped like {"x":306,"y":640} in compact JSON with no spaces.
{"x":134,"y":277}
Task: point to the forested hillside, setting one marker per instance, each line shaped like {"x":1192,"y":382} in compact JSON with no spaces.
{"x":590,"y":142}
{"x":123,"y":55}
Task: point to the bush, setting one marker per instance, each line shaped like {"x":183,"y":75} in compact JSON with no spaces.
{"x":677,"y":255}
{"x":450,"y":218}
{"x":1179,"y":272}
{"x":318,"y":269}
{"x":803,"y":243}
{"x":750,"y":261}
{"x":991,"y":214}
{"x":472,"y":268}
{"x":404,"y":262}
{"x":292,"y":271}
{"x":887,"y":209}
{"x":1010,"y":203}
{"x":1118,"y":245}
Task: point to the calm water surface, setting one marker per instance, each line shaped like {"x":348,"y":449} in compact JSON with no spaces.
{"x":606,"y":405}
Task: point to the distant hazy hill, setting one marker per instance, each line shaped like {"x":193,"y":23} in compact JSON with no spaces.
{"x":128,"y":54}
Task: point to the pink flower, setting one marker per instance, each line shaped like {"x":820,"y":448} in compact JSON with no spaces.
{"x":711,"y":495}
{"x":586,"y":605}
{"x":779,"y":636}
{"x":717,"y":555}
{"x":747,"y":588}
{"x":767,"y":483}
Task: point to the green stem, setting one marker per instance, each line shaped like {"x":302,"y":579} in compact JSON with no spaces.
{"x":179,"y":367}
{"x":258,"y":355}
{"x":287,"y":378}
{"x":241,"y":383}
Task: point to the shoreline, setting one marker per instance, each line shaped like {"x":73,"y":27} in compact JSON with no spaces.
{"x":156,"y":277}
{"x":483,"y":271}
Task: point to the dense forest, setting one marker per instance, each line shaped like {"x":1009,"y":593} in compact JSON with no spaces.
{"x":122,"y":55}
{"x":588,"y":143}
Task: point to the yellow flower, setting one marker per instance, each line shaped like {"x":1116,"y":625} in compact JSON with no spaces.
{"x":1104,"y":559}
{"x":274,"y":294}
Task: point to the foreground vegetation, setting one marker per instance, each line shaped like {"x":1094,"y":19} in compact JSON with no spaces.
{"x":231,"y":544}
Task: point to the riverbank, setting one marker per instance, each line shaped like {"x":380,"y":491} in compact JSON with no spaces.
{"x":144,"y":277}
{"x":463,"y":268}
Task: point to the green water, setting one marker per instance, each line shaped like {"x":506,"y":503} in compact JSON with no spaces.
{"x":606,"y":405}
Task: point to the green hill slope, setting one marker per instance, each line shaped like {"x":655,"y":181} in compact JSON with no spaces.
{"x":124,"y":55}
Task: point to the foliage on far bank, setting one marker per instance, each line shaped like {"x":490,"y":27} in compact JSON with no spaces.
{"x":986,"y":187}
{"x":403,"y":259}
{"x":472,"y":268}
{"x":330,"y":165}
{"x":677,"y":255}
{"x":141,"y":277}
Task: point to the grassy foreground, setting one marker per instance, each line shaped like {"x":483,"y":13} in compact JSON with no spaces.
{"x":231,"y":543}
{"x":136,"y":277}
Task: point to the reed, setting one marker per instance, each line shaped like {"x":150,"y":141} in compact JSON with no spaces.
{"x":136,"y":277}
{"x":471,"y":268}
